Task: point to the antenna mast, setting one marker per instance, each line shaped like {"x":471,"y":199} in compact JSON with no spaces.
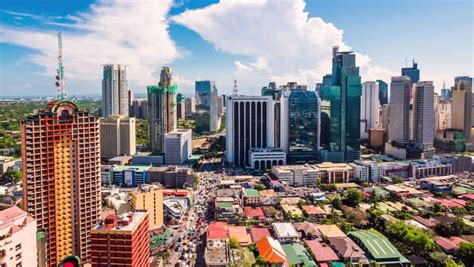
{"x":60,"y":70}
{"x":236,"y":90}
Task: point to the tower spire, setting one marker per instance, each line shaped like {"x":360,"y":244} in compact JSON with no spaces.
{"x":236,"y":90}
{"x":60,"y":70}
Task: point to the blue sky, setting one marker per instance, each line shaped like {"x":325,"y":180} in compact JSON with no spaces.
{"x":253,"y":41}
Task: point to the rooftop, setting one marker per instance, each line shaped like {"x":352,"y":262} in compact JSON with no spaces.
{"x":321,"y":252}
{"x":378,"y":245}
{"x":271,"y":250}
{"x":126,"y":222}
{"x":240,"y":233}
{"x":258,"y":232}
{"x":297,"y":254}
{"x":285,"y":230}
{"x":251,"y":192}
{"x":218,"y":230}
{"x":137,"y":168}
{"x":254,"y":212}
{"x":330,"y":230}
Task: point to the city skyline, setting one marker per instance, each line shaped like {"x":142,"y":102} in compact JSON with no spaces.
{"x":202,"y":40}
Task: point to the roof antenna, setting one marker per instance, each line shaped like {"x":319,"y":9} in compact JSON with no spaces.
{"x":236,"y":90}
{"x":60,"y":70}
{"x":406,"y":63}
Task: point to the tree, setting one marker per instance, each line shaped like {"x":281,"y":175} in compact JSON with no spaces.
{"x":11,"y":176}
{"x":253,"y":248}
{"x":336,"y":203}
{"x":234,"y":243}
{"x":414,"y":241}
{"x":449,"y":262}
{"x":454,"y":229}
{"x":260,"y":187}
{"x":397,"y":180}
{"x":353,"y":198}
{"x":466,"y":253}
{"x":260,"y":261}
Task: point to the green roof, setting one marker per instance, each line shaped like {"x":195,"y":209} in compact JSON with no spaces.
{"x":137,"y":168}
{"x":337,"y":264}
{"x":463,"y":189}
{"x":251,"y":193}
{"x":377,"y":245}
{"x":384,"y":207}
{"x":297,"y":254}
{"x":419,"y":202}
{"x":224,"y":205}
{"x":159,"y":239}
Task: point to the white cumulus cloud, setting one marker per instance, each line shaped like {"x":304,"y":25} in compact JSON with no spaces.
{"x":282,"y":40}
{"x":134,"y":33}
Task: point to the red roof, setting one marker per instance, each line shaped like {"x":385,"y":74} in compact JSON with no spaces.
{"x":176,"y":193}
{"x":313,"y":210}
{"x":447,"y":203}
{"x":259,"y":232}
{"x":218,"y":230}
{"x":425,"y":222}
{"x":468,"y":196}
{"x":254,"y":213}
{"x":446,"y":244}
{"x":321,"y":252}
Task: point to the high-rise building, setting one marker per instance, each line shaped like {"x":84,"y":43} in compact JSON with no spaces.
{"x":115,"y":93}
{"x":17,"y":238}
{"x":190,"y":105}
{"x":131,"y":97}
{"x":369,"y":108}
{"x":180,"y":107}
{"x":384,"y":117}
{"x":178,"y":146}
{"x":149,"y":198}
{"x":423,"y":115}
{"x":383,"y":92}
{"x":444,"y":115}
{"x":214,"y":116}
{"x":249,"y":124}
{"x":161,"y":110}
{"x":340,"y":110}
{"x":118,"y":136}
{"x":121,"y":240}
{"x":220,"y":105}
{"x":399,"y":120}
{"x":462,"y":106}
{"x":272,"y":90}
{"x":412,"y":72}
{"x":203,"y":91}
{"x":303,"y":126}
{"x":139,"y":109}
{"x":61,"y":181}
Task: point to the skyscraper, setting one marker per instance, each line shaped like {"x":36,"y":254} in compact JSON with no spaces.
{"x":303,"y":127}
{"x":203,"y":90}
{"x":161,"y":110}
{"x":61,"y":181}
{"x":115,"y":94}
{"x":249,"y":124}
{"x":180,"y":107}
{"x":399,"y":120}
{"x":383,"y":92}
{"x":369,"y":108}
{"x":272,"y":90}
{"x":423,"y":115}
{"x":461,"y":109}
{"x":149,"y":198}
{"x":412,"y":72}
{"x":190,"y":105}
{"x":340,"y":110}
{"x":214,"y":116}
{"x":118,"y":136}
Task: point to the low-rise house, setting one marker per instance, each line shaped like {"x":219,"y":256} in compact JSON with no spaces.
{"x":348,"y":250}
{"x":285,"y":232}
{"x":254,"y":213}
{"x":240,"y":233}
{"x":250,"y":197}
{"x":227,"y":209}
{"x":268,"y":197}
{"x":271,"y":212}
{"x":429,"y":223}
{"x":292,"y":211}
{"x":330,"y":231}
{"x":403,"y":191}
{"x":297,"y":255}
{"x":271,"y":251}
{"x":438,"y":184}
{"x":314,"y":212}
{"x":217,"y":253}
{"x":218,"y":230}
{"x":449,"y":245}
{"x":307,"y":230}
{"x":258,"y":232}
{"x":379,"y":248}
{"x":321,"y":252}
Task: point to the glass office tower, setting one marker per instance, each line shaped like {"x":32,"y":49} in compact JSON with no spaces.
{"x":304,"y":125}
{"x":340,"y":110}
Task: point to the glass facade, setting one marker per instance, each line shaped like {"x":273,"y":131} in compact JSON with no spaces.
{"x":340,"y":110}
{"x":413,"y":73}
{"x":303,"y":132}
{"x":383,"y":92}
{"x":203,"y":92}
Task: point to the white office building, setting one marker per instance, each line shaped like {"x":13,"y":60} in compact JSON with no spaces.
{"x":424,"y":117}
{"x":399,"y":120}
{"x":115,"y":100}
{"x":369,"y":108}
{"x":266,"y":158}
{"x":118,"y":136}
{"x":178,"y":146}
{"x":249,"y":124}
{"x":297,"y":175}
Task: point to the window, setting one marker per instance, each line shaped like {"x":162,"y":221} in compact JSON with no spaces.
{"x":18,"y":247}
{"x":18,"y":256}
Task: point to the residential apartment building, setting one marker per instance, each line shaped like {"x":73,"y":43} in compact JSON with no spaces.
{"x":149,"y":198}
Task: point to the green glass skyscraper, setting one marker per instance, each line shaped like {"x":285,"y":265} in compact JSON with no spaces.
{"x":340,"y":110}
